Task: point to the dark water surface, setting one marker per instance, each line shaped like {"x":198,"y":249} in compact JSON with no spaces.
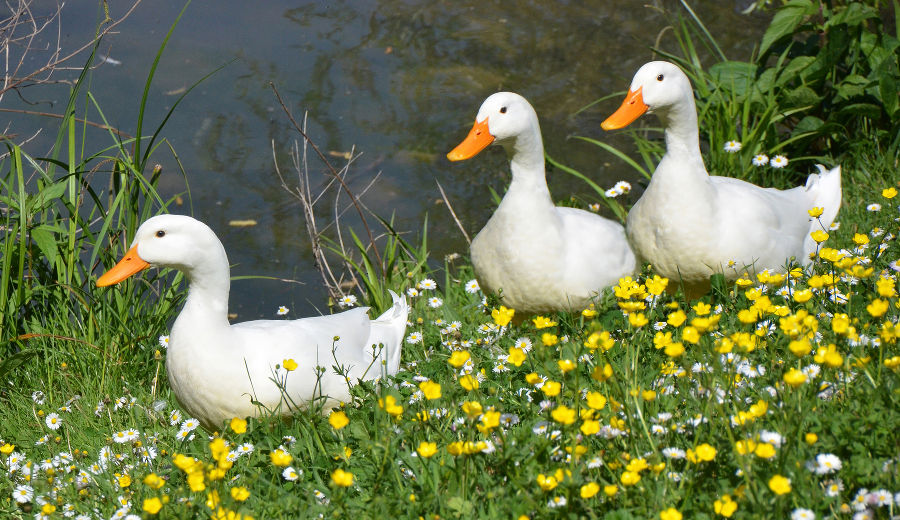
{"x":401,"y":81}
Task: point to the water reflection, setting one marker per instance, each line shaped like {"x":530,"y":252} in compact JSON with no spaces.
{"x":400,"y":80}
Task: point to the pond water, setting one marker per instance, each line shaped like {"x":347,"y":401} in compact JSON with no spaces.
{"x":398,"y":81}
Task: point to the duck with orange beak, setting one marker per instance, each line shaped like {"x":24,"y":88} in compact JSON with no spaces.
{"x":689,"y":225}
{"x":536,"y":256}
{"x":219,"y":371}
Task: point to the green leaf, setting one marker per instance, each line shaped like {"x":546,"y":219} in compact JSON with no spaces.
{"x":736,"y":76}
{"x":854,"y":14}
{"x":808,"y":124}
{"x":860,"y":109}
{"x":785,"y":21}
{"x":47,"y":196}
{"x":801,"y":96}
{"x":14,"y":361}
{"x":45,"y":238}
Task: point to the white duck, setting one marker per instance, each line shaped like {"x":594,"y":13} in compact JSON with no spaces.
{"x":216,"y":369}
{"x":539,"y":257}
{"x":689,"y":225}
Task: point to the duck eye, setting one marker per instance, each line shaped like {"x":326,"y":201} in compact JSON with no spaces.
{"x":160,"y":233}
{"x":659,"y":78}
{"x":502,"y":110}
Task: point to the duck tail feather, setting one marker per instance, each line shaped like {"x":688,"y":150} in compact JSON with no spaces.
{"x":824,"y":190}
{"x":391,"y":328}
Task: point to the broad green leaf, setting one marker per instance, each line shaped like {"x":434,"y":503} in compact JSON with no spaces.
{"x":45,"y":239}
{"x":785,"y":21}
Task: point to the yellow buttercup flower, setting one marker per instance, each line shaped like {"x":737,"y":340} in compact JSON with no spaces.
{"x":816,"y":212}
{"x":602,"y":373}
{"x":517,"y":356}
{"x":468,"y":382}
{"x":238,"y":425}
{"x":342,"y":478}
{"x":889,"y":193}
{"x":629,"y":478}
{"x":819,"y":236}
{"x":549,"y":339}
{"x":240,"y":493}
{"x":280,"y":458}
{"x":877,"y":308}
{"x":589,"y":490}
{"x":670,"y":514}
{"x":152,"y":505}
{"x":472,"y":408}
{"x":566,"y":365}
{"x":542,"y":322}
{"x":780,"y":485}
{"x":764,"y":450}
{"x":547,"y":482}
{"x":426,"y":449}
{"x":595,"y":400}
{"x":794,"y":377}
{"x":430,"y":389}
{"x":389,"y":405}
{"x":656,"y":285}
{"x":551,"y":388}
{"x":563,"y":414}
{"x":338,"y":419}
{"x":610,"y":490}
{"x":502,"y":316}
{"x":458,"y":358}
{"x":676,"y":318}
{"x":725,"y":506}
{"x":637,"y":320}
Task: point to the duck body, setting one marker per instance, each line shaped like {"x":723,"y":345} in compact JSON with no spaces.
{"x":538,"y":257}
{"x":689,"y":225}
{"x":218,"y":370}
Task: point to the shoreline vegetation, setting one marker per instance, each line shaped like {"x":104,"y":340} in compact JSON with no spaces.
{"x":773,"y":397}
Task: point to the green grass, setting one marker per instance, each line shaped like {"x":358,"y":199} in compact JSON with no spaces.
{"x":595,"y":440}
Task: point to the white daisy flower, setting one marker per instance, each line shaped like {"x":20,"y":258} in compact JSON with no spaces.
{"x":594,"y":207}
{"x":164,"y":341}
{"x":827,"y":463}
{"x":23,"y":494}
{"x":834,"y":488}
{"x":412,"y":292}
{"x":472,"y":286}
{"x":524,"y":344}
{"x":53,"y":420}
{"x":290,"y":473}
{"x":434,"y":302}
{"x":802,"y":514}
{"x":190,"y":424}
{"x":282,"y":310}
{"x":760,"y":159}
{"x":732,"y":146}
{"x":427,"y":285}
{"x":414,"y":337}
{"x":779,"y":161}
{"x":622,"y":187}
{"x":347,"y":301}
{"x":674,"y":453}
{"x":557,"y":502}
{"x":611,"y":193}
{"x":874,"y":207}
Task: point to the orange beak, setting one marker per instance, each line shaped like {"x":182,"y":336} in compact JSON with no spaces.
{"x":129,"y":264}
{"x":632,"y":108}
{"x":477,"y":140}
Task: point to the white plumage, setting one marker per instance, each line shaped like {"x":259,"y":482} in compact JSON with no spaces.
{"x":689,"y":225}
{"x":217,"y":369}
{"x":539,"y":257}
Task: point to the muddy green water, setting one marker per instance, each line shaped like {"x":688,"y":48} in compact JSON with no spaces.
{"x":399,"y":81}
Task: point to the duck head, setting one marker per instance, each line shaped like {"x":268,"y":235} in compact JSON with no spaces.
{"x":657,"y":87}
{"x":505,"y":118}
{"x":175,"y":241}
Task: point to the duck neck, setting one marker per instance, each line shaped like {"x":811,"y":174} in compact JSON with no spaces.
{"x":207,"y":299}
{"x":683,"y":144}
{"x":526,"y":161}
